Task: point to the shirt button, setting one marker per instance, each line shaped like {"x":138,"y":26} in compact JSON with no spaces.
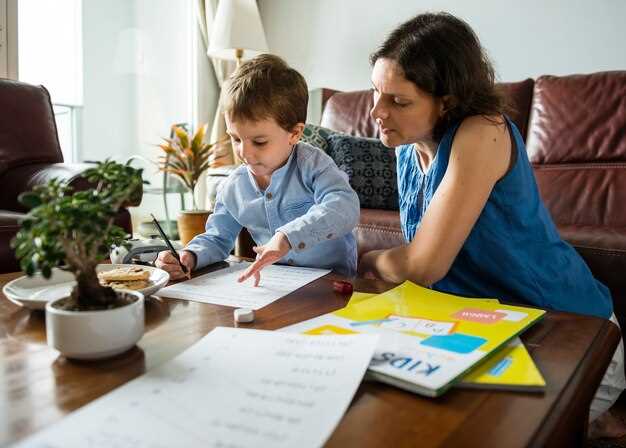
{"x":329,"y":236}
{"x":268,"y":195}
{"x":301,"y":246}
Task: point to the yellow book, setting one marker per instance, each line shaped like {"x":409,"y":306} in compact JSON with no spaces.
{"x":510,"y":368}
{"x":360,"y":296}
{"x":428,"y":340}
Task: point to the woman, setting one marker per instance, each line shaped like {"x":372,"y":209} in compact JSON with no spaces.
{"x":469,"y":205}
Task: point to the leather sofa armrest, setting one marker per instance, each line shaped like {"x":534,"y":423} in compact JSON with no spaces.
{"x":378,"y":229}
{"x":26,"y":177}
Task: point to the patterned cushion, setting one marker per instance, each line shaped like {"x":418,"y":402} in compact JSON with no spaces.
{"x":316,"y":136}
{"x":370,"y":166}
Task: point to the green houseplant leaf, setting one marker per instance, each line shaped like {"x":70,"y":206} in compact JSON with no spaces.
{"x":75,"y":230}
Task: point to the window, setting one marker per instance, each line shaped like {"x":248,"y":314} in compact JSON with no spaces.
{"x":8,"y":39}
{"x":119,"y":73}
{"x":50,"y":54}
{"x":3,"y":40}
{"x":67,"y":128}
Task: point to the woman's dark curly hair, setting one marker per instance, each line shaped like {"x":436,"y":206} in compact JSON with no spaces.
{"x":442,"y":56}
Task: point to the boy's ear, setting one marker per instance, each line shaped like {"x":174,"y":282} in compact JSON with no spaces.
{"x":296,"y":133}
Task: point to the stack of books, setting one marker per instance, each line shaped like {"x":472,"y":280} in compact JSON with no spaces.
{"x":430,"y":341}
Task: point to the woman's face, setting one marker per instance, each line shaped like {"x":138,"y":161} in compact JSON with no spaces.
{"x":404,"y":113}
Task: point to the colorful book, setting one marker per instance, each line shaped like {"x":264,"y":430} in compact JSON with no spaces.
{"x":510,"y":368}
{"x":428,"y":340}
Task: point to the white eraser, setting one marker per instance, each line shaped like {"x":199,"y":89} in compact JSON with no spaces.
{"x":243,"y":315}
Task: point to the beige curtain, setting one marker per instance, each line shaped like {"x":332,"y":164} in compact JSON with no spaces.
{"x":205,"y":12}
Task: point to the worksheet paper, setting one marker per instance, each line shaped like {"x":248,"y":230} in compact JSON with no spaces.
{"x":233,"y":388}
{"x":221,"y":287}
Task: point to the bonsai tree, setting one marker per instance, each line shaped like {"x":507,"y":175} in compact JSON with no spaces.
{"x":75,"y":230}
{"x":187,"y":157}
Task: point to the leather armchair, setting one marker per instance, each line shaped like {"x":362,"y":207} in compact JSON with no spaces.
{"x":30,"y":155}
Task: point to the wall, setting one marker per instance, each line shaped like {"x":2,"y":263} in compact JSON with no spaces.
{"x":329,"y":41}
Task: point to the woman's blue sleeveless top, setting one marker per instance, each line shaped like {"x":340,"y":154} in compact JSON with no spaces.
{"x":514,"y":252}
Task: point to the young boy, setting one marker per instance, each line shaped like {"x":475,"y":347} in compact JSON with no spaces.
{"x":295,"y":202}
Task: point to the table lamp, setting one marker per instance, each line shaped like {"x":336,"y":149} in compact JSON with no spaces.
{"x":237,"y":31}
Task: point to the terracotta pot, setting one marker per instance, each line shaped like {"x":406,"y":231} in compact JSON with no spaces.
{"x":191,"y":223}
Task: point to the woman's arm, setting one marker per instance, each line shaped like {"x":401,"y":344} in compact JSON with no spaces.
{"x":480,"y":156}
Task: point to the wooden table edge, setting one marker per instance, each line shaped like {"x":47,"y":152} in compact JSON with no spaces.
{"x":607,"y":338}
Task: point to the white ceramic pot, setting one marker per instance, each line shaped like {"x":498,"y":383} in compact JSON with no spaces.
{"x":95,"y":334}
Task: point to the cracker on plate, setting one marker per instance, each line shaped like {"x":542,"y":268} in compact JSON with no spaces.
{"x":128,"y":273}
{"x":135,"y":285}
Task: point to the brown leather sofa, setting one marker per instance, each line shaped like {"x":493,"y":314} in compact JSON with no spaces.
{"x":575,"y":131}
{"x":30,"y":155}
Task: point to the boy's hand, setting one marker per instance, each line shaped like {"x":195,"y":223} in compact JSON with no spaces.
{"x":275,"y":249}
{"x":167,"y":262}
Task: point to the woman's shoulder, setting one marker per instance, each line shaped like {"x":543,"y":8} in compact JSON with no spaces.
{"x":483,"y":140}
{"x":478,"y":126}
{"x":482,"y":131}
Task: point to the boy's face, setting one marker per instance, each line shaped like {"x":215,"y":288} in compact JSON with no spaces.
{"x":263,"y":145}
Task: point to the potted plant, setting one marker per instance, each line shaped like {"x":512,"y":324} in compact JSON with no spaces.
{"x":187,"y":157}
{"x":75,"y":230}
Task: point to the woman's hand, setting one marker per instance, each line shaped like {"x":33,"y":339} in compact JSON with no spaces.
{"x":367,"y":264}
{"x":167,"y":262}
{"x":267,"y":254}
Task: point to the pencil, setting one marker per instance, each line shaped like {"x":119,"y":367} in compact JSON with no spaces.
{"x":169,"y":244}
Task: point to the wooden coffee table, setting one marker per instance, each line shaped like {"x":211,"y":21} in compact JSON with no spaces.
{"x":38,"y":387}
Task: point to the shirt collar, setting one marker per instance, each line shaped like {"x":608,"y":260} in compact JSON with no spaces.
{"x":277,"y":176}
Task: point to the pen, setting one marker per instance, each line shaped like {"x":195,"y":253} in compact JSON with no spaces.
{"x":169,"y":244}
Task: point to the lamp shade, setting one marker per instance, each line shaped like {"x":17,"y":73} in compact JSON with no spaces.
{"x":237,"y":26}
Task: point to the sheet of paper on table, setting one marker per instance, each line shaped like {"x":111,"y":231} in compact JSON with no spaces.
{"x":221,"y":287}
{"x":235,"y":387}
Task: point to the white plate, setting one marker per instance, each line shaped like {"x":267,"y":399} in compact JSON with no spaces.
{"x":34,"y":292}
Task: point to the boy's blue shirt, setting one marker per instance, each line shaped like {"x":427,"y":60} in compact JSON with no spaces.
{"x":309,"y":199}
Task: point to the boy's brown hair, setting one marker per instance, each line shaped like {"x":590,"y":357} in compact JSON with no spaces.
{"x":266,"y":87}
